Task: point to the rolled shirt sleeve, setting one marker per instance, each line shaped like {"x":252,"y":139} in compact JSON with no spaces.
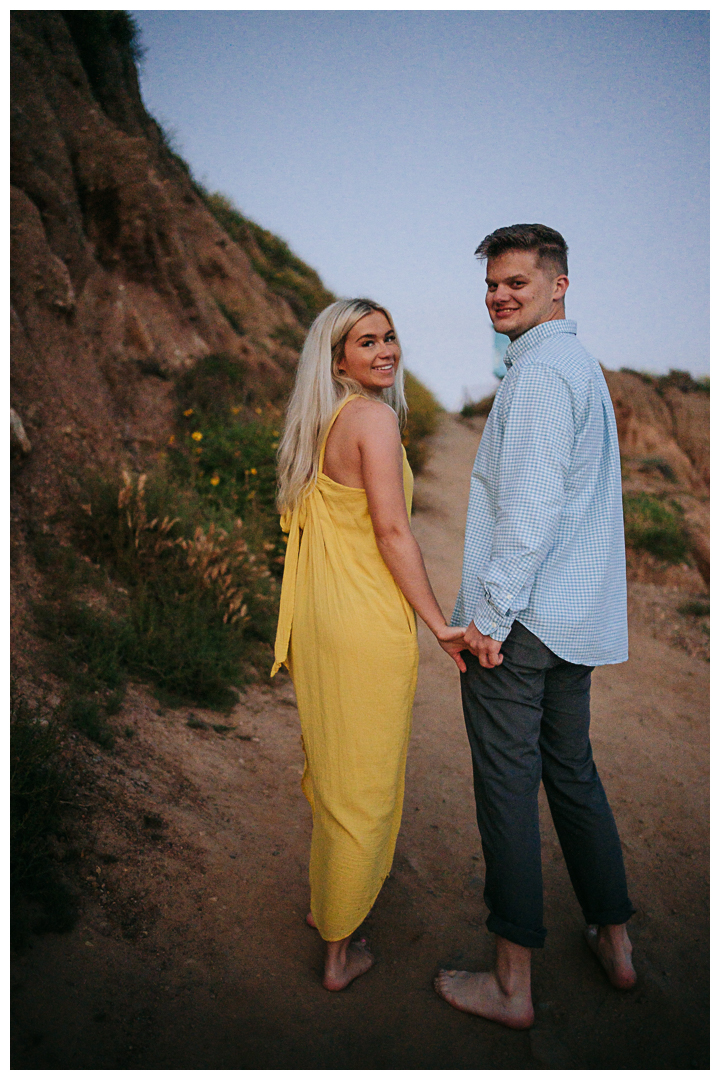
{"x":538,"y":432}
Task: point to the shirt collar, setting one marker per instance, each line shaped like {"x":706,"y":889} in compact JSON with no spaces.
{"x":535,"y":335}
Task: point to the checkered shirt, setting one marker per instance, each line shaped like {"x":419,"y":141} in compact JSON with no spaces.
{"x":544,"y":541}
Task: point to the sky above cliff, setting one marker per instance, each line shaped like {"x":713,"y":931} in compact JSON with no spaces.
{"x":384,"y":145}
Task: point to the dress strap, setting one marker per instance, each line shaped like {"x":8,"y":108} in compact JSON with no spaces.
{"x":293,"y":524}
{"x":335,"y":415}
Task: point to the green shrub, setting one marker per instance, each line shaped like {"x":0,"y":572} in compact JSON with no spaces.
{"x":697,"y":608}
{"x":200,"y":604}
{"x":478,"y":408}
{"x":289,"y":336}
{"x":183,"y":562}
{"x":85,"y":714}
{"x":424,"y":413}
{"x":36,"y":787}
{"x":91,"y":647}
{"x":657,"y":526}
{"x":211,"y":388}
{"x":659,"y":465}
{"x":226,"y":454}
{"x":684,"y":381}
{"x":680,"y":380}
{"x":39,"y":899}
{"x":644,"y":376}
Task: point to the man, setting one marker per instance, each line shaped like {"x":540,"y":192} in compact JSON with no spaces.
{"x":544,"y":599}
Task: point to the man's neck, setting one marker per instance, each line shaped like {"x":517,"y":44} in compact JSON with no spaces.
{"x":558,"y":313}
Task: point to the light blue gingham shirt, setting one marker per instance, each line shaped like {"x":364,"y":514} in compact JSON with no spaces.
{"x":544,"y":541}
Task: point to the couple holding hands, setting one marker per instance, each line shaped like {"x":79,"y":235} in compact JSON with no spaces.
{"x":542,"y":602}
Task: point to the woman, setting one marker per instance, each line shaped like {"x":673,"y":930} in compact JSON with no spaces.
{"x":346,"y":630}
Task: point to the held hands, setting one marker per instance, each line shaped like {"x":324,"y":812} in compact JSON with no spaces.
{"x":486,"y":648}
{"x":455,"y":639}
{"x":452,"y":640}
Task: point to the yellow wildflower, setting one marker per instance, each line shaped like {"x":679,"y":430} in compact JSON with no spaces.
{"x":215,"y":480}
{"x":188,"y":412}
{"x":258,"y":410}
{"x":235,"y":409}
{"x":253,"y":472}
{"x":171,"y":440}
{"x":276,"y":433}
{"x":196,"y":435}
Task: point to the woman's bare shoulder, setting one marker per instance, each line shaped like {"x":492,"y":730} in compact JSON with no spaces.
{"x":364,"y":413}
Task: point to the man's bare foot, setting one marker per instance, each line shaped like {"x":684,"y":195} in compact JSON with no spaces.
{"x":480,"y":993}
{"x":310,"y":921}
{"x":346,"y":960}
{"x":611,"y":945}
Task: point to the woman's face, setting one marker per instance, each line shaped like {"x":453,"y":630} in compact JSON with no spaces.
{"x":372,"y":354}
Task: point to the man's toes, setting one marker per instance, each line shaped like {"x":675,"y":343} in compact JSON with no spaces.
{"x":443,"y":984}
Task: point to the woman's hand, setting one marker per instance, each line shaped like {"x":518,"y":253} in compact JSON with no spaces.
{"x":452,"y":640}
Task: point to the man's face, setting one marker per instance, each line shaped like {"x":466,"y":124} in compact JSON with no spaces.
{"x":521,"y":292}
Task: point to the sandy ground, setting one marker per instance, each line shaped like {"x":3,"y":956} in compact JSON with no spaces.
{"x":191,"y":951}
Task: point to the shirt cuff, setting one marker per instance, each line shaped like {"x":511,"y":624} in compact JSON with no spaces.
{"x":491,"y":624}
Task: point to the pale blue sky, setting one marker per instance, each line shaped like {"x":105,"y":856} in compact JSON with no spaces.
{"x":384,"y":145}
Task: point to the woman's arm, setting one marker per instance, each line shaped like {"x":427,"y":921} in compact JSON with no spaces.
{"x":380,"y":447}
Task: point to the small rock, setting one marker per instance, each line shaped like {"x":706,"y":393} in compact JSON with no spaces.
{"x":18,"y":438}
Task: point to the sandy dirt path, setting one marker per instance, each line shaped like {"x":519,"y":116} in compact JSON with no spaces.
{"x":192,"y":952}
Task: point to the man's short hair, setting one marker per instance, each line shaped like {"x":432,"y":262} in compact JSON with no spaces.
{"x":549,"y":244}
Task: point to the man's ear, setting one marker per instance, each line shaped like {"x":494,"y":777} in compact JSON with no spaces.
{"x":562,"y":284}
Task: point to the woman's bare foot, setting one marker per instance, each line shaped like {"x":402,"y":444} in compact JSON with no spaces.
{"x":480,"y":993}
{"x":611,"y":945}
{"x":310,"y":921}
{"x":345,"y":960}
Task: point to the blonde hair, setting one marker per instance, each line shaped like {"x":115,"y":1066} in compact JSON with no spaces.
{"x":319,"y":389}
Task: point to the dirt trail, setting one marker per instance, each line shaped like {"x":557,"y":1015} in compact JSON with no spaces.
{"x":192,"y":952}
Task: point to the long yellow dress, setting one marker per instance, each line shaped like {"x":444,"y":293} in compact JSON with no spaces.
{"x":348,"y":637}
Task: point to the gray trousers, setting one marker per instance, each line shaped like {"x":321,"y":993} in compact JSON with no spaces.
{"x":528,"y":719}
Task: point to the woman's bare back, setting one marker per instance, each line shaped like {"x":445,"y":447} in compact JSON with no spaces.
{"x":343,"y":462}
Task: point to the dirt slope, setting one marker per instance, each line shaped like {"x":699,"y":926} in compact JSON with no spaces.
{"x":192,"y":952}
{"x":120,"y":275}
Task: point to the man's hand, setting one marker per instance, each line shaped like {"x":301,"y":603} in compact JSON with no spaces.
{"x":486,"y":649}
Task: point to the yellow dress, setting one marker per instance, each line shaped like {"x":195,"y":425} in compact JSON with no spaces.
{"x":349,"y":640}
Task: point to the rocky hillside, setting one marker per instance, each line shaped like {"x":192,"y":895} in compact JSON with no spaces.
{"x":664,"y":434}
{"x":124,"y":271}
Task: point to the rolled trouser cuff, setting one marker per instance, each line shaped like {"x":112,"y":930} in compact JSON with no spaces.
{"x":530,"y":939}
{"x":610,"y":917}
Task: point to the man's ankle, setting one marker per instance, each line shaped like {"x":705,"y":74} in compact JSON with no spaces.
{"x":513,"y":965}
{"x":614,"y":933}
